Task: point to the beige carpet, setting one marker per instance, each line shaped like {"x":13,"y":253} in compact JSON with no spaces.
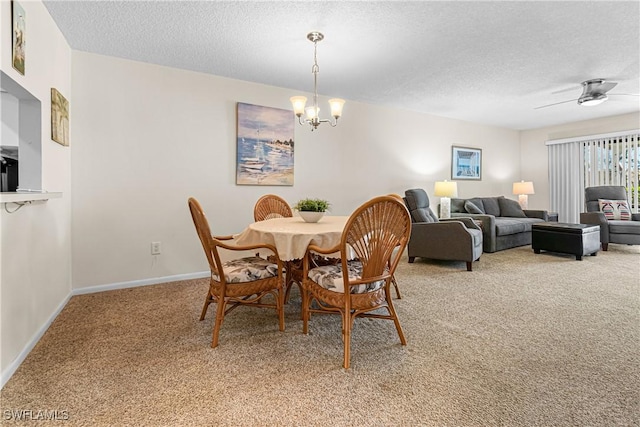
{"x":523,"y":340}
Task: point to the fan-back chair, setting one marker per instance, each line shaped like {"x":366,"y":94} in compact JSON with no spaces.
{"x":271,"y":206}
{"x":242,"y":281}
{"x":361,"y":286}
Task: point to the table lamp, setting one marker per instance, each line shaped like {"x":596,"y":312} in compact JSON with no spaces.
{"x":445,"y":190}
{"x":523,"y":189}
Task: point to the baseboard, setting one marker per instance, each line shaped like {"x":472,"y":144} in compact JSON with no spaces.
{"x":13,"y":367}
{"x":137,"y":283}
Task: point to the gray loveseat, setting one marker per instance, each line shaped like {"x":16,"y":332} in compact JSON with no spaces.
{"x":504,"y":224}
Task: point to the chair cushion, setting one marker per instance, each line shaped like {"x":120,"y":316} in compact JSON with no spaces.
{"x":510,"y":208}
{"x":615,"y":209}
{"x":247,"y":269}
{"x":471,"y":208}
{"x":330,"y":278}
{"x":624,"y":227}
{"x":476,"y":235}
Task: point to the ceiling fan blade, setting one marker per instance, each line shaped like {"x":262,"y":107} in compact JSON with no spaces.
{"x":606,"y":87}
{"x":624,"y":94}
{"x":574,"y":88}
{"x":557,"y":103}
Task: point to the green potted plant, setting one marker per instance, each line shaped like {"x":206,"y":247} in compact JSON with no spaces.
{"x":311,"y":210}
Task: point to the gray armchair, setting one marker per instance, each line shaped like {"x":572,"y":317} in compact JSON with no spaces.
{"x":611,"y":231}
{"x":455,"y":239}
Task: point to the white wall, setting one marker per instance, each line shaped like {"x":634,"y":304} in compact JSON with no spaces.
{"x":35,"y":276}
{"x":533,"y":154}
{"x":146,"y":137}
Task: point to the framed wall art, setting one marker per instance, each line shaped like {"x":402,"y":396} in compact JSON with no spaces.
{"x":466,"y":163}
{"x":19,"y":26}
{"x":59,"y":118}
{"x":265,"y":146}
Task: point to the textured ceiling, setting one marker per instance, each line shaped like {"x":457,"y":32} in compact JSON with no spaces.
{"x":484,"y":62}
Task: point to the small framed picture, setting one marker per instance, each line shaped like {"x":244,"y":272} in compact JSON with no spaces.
{"x":466,"y":163}
{"x":19,"y":28}
{"x":59,"y":118}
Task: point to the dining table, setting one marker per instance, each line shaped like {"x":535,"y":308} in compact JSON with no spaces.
{"x":291,"y":236}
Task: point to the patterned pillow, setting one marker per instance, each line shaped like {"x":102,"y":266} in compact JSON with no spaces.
{"x":615,"y":209}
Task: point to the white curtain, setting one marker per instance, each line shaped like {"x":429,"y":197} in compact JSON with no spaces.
{"x":565,"y":178}
{"x":578,"y":163}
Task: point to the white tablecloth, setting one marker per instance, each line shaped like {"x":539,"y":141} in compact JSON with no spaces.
{"x":292,"y":236}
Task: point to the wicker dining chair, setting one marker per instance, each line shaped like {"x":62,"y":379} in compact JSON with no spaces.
{"x":242,"y":281}
{"x":394,"y":282}
{"x":361,"y":286}
{"x":271,"y":206}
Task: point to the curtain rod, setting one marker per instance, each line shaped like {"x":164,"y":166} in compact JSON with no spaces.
{"x":590,"y":137}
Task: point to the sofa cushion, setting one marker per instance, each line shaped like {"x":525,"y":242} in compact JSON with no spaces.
{"x":510,"y":208}
{"x":457,"y":205}
{"x":506,"y":226}
{"x":472,"y":208}
{"x":624,"y":227}
{"x":491,"y":206}
{"x":615,"y":209}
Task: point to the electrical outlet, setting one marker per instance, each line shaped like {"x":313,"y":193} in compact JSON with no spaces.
{"x":156,"y":248}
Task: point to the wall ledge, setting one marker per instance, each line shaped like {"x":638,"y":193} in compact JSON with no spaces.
{"x":28,"y":196}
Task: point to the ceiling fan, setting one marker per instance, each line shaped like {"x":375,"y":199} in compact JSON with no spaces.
{"x":594,"y":92}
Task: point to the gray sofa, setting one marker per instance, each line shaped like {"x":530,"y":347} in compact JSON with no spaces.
{"x":504,"y":224}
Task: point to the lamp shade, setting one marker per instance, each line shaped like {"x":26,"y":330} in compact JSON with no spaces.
{"x":446,"y":189}
{"x":523,"y":187}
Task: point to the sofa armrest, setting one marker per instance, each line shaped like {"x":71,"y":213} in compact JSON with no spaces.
{"x":532,"y":213}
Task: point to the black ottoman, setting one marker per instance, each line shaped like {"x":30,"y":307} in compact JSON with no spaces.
{"x":574,"y":239}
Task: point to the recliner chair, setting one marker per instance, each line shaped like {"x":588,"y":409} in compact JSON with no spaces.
{"x":613,"y":230}
{"x":455,"y":239}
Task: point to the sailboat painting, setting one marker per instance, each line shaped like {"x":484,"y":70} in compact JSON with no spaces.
{"x":265,"y":145}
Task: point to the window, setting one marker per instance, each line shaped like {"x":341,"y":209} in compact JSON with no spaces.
{"x":20,"y":136}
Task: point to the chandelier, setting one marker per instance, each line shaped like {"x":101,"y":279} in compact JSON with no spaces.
{"x":312,"y":112}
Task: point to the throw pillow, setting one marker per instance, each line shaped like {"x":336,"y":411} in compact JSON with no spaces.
{"x":510,"y":208}
{"x":491,"y":206}
{"x":615,"y":209}
{"x":471,"y":208}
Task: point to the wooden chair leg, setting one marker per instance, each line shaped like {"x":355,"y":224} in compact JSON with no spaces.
{"x":208,"y":300}
{"x":218,"y":324}
{"x":395,"y":285}
{"x":346,"y":336}
{"x":393,"y":313}
{"x":305,"y":310}
{"x":280,"y":308}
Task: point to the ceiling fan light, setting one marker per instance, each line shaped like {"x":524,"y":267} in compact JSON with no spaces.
{"x":591,"y":100}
